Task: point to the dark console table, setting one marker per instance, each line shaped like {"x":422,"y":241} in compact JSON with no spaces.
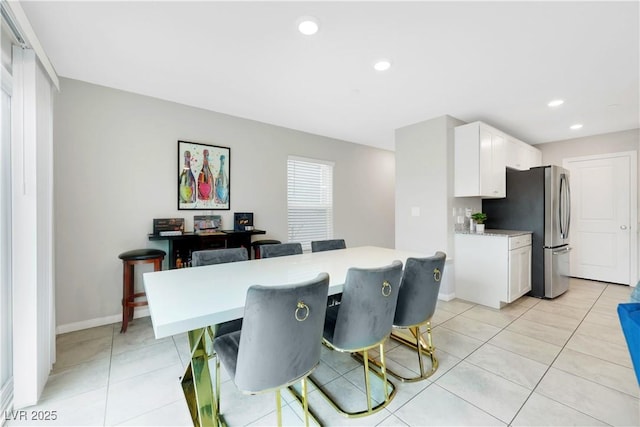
{"x":183,"y":245}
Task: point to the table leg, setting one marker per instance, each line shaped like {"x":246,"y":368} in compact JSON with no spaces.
{"x":196,"y":383}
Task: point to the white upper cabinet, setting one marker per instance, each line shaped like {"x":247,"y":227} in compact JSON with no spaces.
{"x":482,"y":154}
{"x":480,"y":161}
{"x":521,"y":155}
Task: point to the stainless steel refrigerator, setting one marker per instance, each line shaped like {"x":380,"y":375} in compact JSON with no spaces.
{"x":538,"y":200}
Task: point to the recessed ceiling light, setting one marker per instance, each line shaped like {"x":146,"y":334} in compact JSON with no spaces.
{"x":576,"y":126}
{"x":308,"y":25}
{"x":556,"y":103}
{"x":382,"y":65}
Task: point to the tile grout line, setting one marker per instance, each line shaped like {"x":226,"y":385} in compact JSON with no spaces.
{"x":432,"y":383}
{"x":479,"y":367}
{"x":554,"y":360}
{"x":106,"y":398}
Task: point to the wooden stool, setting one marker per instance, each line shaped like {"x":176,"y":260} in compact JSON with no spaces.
{"x":129,"y":260}
{"x":256,"y":246}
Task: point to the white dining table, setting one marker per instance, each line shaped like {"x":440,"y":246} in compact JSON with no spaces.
{"x":193,"y":299}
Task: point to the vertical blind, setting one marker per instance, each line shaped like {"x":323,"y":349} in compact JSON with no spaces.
{"x":309,"y":200}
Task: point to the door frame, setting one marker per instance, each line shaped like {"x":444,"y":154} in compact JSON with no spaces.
{"x":633,"y":203}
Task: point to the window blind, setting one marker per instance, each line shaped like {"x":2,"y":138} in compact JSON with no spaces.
{"x":309,"y":200}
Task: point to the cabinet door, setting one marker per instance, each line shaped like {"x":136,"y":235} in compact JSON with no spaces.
{"x":467,"y":160}
{"x":534,"y":157}
{"x":498,"y":166}
{"x":493,"y":162}
{"x":518,"y":154}
{"x":519,"y":272}
{"x":480,"y":161}
{"x":513,"y":154}
{"x":486,"y":171}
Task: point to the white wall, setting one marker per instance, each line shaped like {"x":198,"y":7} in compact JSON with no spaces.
{"x":115,"y":169}
{"x":424,"y":185}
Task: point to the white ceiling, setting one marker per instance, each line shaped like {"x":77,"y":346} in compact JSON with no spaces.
{"x":499,"y":62}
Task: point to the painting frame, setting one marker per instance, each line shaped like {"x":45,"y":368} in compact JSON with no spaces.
{"x":204,"y":172}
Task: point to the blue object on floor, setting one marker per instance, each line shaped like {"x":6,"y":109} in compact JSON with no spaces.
{"x":630,"y":320}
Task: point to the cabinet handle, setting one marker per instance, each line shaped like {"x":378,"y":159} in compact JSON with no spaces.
{"x":623,"y":227}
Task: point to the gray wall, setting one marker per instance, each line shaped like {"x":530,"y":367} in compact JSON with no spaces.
{"x":115,"y":170}
{"x":554,"y":152}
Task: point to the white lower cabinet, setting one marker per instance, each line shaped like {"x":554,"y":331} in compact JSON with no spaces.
{"x":519,"y":272}
{"x":492,"y":269}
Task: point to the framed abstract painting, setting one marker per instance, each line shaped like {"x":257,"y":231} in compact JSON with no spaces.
{"x":203,"y":176}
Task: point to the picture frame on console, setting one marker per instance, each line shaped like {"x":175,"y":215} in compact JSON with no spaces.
{"x":203,"y":176}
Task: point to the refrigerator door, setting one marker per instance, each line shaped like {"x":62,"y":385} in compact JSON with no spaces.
{"x":556,"y":271}
{"x":557,"y":207}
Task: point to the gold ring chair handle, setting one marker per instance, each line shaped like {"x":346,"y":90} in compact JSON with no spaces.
{"x":302,"y":306}
{"x":386,"y":288}
{"x":437,"y":275}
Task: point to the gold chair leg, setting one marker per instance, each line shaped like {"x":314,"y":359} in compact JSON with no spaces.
{"x":416,"y":333}
{"x":370,"y":408}
{"x":366,"y":381}
{"x":305,"y":404}
{"x":383,"y":367}
{"x":279,"y":407}
{"x":304,"y":401}
{"x":415,"y":342}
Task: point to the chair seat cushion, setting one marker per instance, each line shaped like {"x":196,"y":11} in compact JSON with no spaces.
{"x":141,"y":254}
{"x":265,"y":242}
{"x":228,"y":327}
{"x":226,"y":347}
{"x":330,"y":323}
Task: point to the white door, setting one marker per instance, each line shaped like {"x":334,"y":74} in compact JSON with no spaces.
{"x":603,"y":216}
{"x":6,"y":341}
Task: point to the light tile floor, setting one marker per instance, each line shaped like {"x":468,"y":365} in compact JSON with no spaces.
{"x":535,"y":362}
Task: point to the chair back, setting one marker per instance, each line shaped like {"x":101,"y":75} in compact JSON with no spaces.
{"x":419,"y":290}
{"x":281,"y":335}
{"x":327,"y":245}
{"x":283,"y":249}
{"x":365,"y":316}
{"x":218,"y":256}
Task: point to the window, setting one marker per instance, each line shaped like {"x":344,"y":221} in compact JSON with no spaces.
{"x":309,"y":200}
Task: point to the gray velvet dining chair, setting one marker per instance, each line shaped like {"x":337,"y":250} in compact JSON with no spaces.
{"x":280,"y":340}
{"x":363,"y":321}
{"x":327,"y":245}
{"x":218,"y":256}
{"x":213,"y":257}
{"x":417,"y":300}
{"x":282,"y":249}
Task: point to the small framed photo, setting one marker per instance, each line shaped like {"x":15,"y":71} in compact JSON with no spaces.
{"x":203,"y":176}
{"x":243,"y":221}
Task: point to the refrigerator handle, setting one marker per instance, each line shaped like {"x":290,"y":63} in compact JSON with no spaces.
{"x":568,"y":213}
{"x":565,"y":207}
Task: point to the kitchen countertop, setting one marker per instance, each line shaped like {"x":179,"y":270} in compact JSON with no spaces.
{"x":496,"y":233}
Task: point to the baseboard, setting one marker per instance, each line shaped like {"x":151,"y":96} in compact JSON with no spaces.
{"x":101,"y":321}
{"x":446,"y":297}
